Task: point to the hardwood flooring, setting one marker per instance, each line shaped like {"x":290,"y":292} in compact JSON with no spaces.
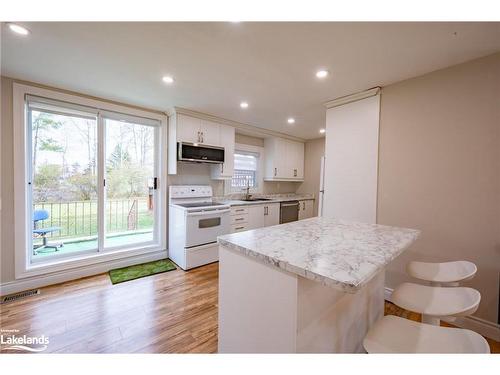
{"x":172,"y":312}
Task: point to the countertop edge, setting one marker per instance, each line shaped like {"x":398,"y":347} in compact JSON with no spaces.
{"x":310,"y":275}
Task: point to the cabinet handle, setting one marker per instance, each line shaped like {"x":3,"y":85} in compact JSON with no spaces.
{"x":222,"y":168}
{"x":265,"y":211}
{"x":304,"y":206}
{"x":202,"y":137}
{"x":241,"y":209}
{"x":199,"y":138}
{"x":275,"y":171}
{"x":294,"y":173}
{"x":239,"y":219}
{"x":238,"y":228}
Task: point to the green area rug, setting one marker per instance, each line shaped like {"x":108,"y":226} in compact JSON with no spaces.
{"x":120,"y":275}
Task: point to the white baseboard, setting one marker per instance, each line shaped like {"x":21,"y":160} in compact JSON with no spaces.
{"x":72,"y":274}
{"x":481,"y":326}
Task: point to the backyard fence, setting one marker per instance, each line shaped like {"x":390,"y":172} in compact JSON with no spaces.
{"x":79,"y":218}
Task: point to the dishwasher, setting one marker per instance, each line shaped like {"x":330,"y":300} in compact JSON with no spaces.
{"x":289,"y":211}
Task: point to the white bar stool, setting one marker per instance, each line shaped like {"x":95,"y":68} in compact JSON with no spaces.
{"x":442,"y":274}
{"x":435,"y":302}
{"x":393,"y":334}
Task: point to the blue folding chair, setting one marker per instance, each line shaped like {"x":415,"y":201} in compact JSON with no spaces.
{"x":39,"y":215}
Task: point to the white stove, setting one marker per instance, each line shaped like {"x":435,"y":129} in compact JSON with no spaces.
{"x":195,"y":222}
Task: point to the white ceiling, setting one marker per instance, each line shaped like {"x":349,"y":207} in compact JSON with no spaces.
{"x":216,"y":65}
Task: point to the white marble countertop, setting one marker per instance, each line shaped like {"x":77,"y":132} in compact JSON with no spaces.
{"x":271,"y":199}
{"x":341,"y":254}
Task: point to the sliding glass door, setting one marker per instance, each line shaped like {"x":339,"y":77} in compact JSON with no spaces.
{"x":92,"y":180}
{"x":130,"y":183}
{"x":64,"y":201}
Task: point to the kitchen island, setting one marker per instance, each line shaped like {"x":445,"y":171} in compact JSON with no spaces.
{"x":311,"y":286}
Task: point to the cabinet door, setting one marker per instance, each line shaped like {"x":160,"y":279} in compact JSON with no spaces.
{"x":210,"y":133}
{"x":271,"y":214}
{"x":295,"y":159}
{"x":282,"y":169}
{"x":306,"y":209}
{"x":188,"y":129}
{"x":225,"y":170}
{"x":299,"y":160}
{"x":255,"y":217}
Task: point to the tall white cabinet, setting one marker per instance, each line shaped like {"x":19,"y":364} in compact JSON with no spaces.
{"x":284,"y":160}
{"x":351,"y":154}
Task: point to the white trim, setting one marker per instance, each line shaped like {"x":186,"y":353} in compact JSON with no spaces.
{"x":23,"y":267}
{"x":352,"y":98}
{"x":241,"y":128}
{"x":59,"y":277}
{"x":481,"y":326}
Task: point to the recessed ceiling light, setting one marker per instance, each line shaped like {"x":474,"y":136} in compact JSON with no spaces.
{"x":18,"y":29}
{"x":244,"y":105}
{"x":321,"y":73}
{"x":291,"y":120}
{"x":322,"y":131}
{"x":168,"y":79}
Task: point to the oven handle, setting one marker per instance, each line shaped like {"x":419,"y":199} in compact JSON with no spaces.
{"x":289,"y":204}
{"x":205,"y":213}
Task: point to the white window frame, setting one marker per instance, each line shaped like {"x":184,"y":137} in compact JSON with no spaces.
{"x":260,"y":169}
{"x":23,"y":266}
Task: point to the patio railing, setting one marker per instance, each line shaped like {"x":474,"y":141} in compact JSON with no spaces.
{"x":79,"y":218}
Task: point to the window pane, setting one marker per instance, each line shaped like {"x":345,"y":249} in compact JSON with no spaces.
{"x":242,"y":179}
{"x":64,"y":187}
{"x":130,"y":167}
{"x":245,"y":169}
{"x":245,"y":161}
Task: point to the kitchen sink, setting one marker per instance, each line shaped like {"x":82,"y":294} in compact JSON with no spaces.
{"x":255,"y":199}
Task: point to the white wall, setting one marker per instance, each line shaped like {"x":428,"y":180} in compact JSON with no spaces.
{"x":439,"y":171}
{"x":351,"y":153}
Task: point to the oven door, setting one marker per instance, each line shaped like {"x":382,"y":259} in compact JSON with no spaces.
{"x":204,"y":227}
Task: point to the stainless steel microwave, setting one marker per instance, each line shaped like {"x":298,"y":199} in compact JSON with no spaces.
{"x":199,"y":153}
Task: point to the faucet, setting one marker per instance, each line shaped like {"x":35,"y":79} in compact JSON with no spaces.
{"x":247,"y":189}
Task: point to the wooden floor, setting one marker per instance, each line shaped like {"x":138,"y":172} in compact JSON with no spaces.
{"x":173,"y":312}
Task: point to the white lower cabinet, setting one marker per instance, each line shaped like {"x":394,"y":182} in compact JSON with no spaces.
{"x":306,"y":209}
{"x":254,"y":216}
{"x":271,"y":214}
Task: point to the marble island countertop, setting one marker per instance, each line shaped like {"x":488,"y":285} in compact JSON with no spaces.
{"x":269,"y":199}
{"x":345,"y":255}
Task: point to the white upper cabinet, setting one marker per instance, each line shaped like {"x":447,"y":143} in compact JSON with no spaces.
{"x":225,"y":170}
{"x":210,"y":133}
{"x":185,"y":128}
{"x":193,"y":130}
{"x":284,"y":160}
{"x":188,"y":129}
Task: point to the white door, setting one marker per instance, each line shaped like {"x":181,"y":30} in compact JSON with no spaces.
{"x":271,"y":214}
{"x":188,"y":129}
